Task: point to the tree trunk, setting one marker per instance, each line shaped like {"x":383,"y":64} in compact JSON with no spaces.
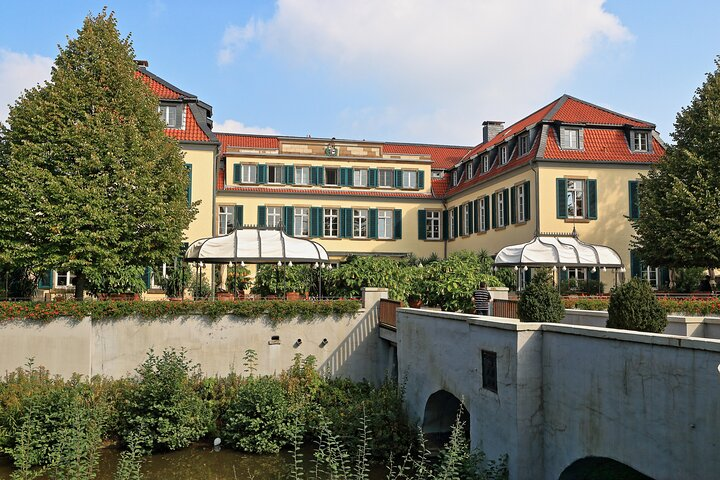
{"x":80,"y":286}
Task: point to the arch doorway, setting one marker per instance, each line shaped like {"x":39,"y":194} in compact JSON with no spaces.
{"x":600,"y":468}
{"x":441,"y":413}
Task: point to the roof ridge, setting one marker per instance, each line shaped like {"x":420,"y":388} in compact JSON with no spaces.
{"x":606,"y":110}
{"x":165,"y":83}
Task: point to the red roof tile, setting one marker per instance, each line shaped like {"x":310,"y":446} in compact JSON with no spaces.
{"x":577,"y":111}
{"x":191,"y":132}
{"x":157,"y":88}
{"x":442,"y":156}
{"x":362,"y":193}
{"x":602,"y":145}
{"x":243,"y":140}
{"x":440,"y":185}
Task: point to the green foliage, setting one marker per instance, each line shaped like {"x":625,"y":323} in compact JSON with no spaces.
{"x":508,"y":277}
{"x":274,"y":280}
{"x":163,"y":411}
{"x":688,"y":279}
{"x":89,"y":182}
{"x":583,"y":303}
{"x":16,"y":282}
{"x":680,"y":197}
{"x":349,"y":278}
{"x":176,"y":281}
{"x":587,"y":287}
{"x":125,"y":279}
{"x":540,"y":301}
{"x":450,"y":283}
{"x":238,"y":280}
{"x":260,"y":419}
{"x":200,"y":286}
{"x":633,"y":306}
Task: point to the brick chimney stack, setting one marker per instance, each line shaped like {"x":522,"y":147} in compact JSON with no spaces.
{"x":491,"y":128}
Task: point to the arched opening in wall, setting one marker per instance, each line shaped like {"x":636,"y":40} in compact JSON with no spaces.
{"x":441,"y":413}
{"x":600,"y":468}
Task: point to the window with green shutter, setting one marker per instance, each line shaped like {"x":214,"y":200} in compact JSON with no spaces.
{"x":476,"y":216}
{"x":45,"y":280}
{"x":634,"y":199}
{"x":494,"y":211}
{"x":372,"y":177}
{"x":372,"y":223}
{"x":506,"y":206}
{"x":346,"y":177}
{"x":422,"y":224}
{"x":526,"y":200}
{"x":592,"y":199}
{"x":487,"y":208}
{"x":289,"y":174}
{"x":262,"y":216}
{"x":445,"y":228}
{"x":421,"y":180}
{"x":456,"y":223}
{"x":316,"y":221}
{"x":398,"y":178}
{"x":189,"y":187}
{"x":346,"y":223}
{"x":561,"y":192}
{"x":262,"y":175}
{"x":236,"y":173}
{"x":289,"y":220}
{"x":238,"y":216}
{"x":513,"y":205}
{"x":397,"y":230}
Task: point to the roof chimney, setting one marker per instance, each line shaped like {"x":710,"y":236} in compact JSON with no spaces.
{"x":491,"y":128}
{"x":142,"y":63}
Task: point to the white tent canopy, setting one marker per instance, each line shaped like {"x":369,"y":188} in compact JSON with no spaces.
{"x":254,"y":245}
{"x":558,"y":250}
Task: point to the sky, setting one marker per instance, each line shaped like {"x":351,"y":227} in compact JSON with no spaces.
{"x":421,"y":71}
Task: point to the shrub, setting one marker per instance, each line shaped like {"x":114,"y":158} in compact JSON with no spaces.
{"x":273,"y":280}
{"x":540,"y":301}
{"x":260,"y":418}
{"x":176,"y":281}
{"x":163,"y":411}
{"x":688,"y":279}
{"x":633,"y":306}
{"x":123,"y":279}
{"x":588,"y":287}
{"x":349,"y":278}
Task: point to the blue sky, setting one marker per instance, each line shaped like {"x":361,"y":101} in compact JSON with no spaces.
{"x":427,"y":71}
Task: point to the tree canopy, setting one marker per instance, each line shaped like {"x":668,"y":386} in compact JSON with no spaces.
{"x":89,"y":182}
{"x":679,"y":223}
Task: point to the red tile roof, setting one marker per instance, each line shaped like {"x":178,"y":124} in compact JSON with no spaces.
{"x":357,"y":193}
{"x":158,"y":88}
{"x":442,"y":156}
{"x":440,"y":185}
{"x":191,"y":132}
{"x":244,"y":140}
{"x":602,"y":145}
{"x":577,"y":111}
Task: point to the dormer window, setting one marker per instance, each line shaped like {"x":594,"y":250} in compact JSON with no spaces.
{"x":570,"y":138}
{"x":502,"y":153}
{"x":486,"y":163}
{"x":640,"y":141}
{"x":455,"y":177}
{"x":169,"y":115}
{"x":523,"y":144}
{"x":468,"y":171}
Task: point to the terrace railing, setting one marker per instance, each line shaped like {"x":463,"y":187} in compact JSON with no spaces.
{"x":388,"y":313}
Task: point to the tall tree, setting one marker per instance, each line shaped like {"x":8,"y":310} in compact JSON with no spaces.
{"x":679,"y":224}
{"x":89,"y":182}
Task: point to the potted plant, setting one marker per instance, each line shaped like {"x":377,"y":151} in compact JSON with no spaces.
{"x":238,"y":281}
{"x":414,"y":300}
{"x":176,"y":282}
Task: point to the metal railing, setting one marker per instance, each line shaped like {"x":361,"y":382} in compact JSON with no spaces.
{"x":505,"y":308}
{"x":388,"y":313}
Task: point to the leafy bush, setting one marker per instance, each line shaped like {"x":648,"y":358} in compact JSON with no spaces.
{"x":163,"y":411}
{"x":633,"y":306}
{"x":200,"y":287}
{"x":688,"y":279}
{"x":20,"y":282}
{"x":273,"y":280}
{"x":349,"y":278}
{"x":237,"y":279}
{"x":582,"y":303}
{"x":540,"y":301}
{"x":508,"y":277}
{"x":260,"y":419}
{"x":587,"y":287}
{"x":123,"y":279}
{"x":176,"y":282}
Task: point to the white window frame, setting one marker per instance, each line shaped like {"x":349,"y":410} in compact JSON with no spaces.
{"x":67,"y":277}
{"x":481,"y":216}
{"x":360,"y":223}
{"x":652,"y":276}
{"x":466,"y":219}
{"x":386,"y":178}
{"x":573,"y":199}
{"x":360,"y":177}
{"x":226,"y":214}
{"x":503,"y":155}
{"x":273,"y":216}
{"x":570,"y":138}
{"x":451,"y":223}
{"x":455,"y":177}
{"x":409,"y":179}
{"x":337,"y":176}
{"x":385,"y":224}
{"x":523,"y":144}
{"x":432,"y":225}
{"x":578,"y":274}
{"x":248,"y":173}
{"x":168,"y":114}
{"x":500,"y":209}
{"x":302,"y":175}
{"x":331,"y":223}
{"x":469,"y":170}
{"x":301,"y":222}
{"x":640,"y":141}
{"x":279,"y":170}
{"x":520,"y":202}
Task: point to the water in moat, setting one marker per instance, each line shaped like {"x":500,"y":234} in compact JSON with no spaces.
{"x":201,"y":462}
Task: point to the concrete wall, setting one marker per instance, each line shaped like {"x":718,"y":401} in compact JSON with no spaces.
{"x":567,"y":392}
{"x":683,"y":325}
{"x":115,"y":348}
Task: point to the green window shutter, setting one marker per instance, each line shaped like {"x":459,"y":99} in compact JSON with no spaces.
{"x":290,"y":174}
{"x":372,"y":177}
{"x":262,"y":173}
{"x":634,"y":200}
{"x":494,"y":210}
{"x":456,"y":223}
{"x":460,"y":216}
{"x":313,"y":175}
{"x":526,"y":205}
{"x":237,"y":170}
{"x":321,"y":175}
{"x":564,"y":275}
{"x":289,"y":219}
{"x":421,"y":180}
{"x":147,"y":277}
{"x":561,"y":188}
{"x":528,"y":276}
{"x":346,"y":177}
{"x":316,"y":221}
{"x":506,"y":204}
{"x":189,"y":187}
{"x":664,"y":277}
{"x":422,"y":224}
{"x":513,"y":205}
{"x":476,"y":215}
{"x":238,"y":217}
{"x":592,"y":199}
{"x":262,"y":216}
{"x":45,"y":279}
{"x":397,"y":218}
{"x":473,"y":222}
{"x":445,"y":225}
{"x":635,"y":265}
{"x":398,"y":178}
{"x":487,"y":213}
{"x":372,"y":223}
{"x":346,"y":223}
{"x":594,"y":275}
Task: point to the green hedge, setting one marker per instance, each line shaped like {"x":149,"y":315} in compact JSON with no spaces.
{"x":276,"y":310}
{"x":690,"y":306}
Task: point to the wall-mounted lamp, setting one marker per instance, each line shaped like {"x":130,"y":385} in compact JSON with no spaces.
{"x":324,"y":342}
{"x":517,"y":268}
{"x":604,"y":269}
{"x":242,"y":264}
{"x":564,"y":268}
{"x":525,"y":268}
{"x":279,"y":264}
{"x":290,"y":263}
{"x":593,"y":270}
{"x":298,"y":342}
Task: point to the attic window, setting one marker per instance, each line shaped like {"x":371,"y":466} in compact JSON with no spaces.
{"x":640,"y":141}
{"x":502,"y":152}
{"x":486,"y":163}
{"x":523,"y":144}
{"x":570,"y":138}
{"x":168,"y":113}
{"x":468,"y":171}
{"x":455,"y":177}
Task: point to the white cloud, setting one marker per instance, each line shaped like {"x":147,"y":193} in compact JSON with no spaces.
{"x":233,"y":126}
{"x":446,"y":65}
{"x":19,"y":71}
